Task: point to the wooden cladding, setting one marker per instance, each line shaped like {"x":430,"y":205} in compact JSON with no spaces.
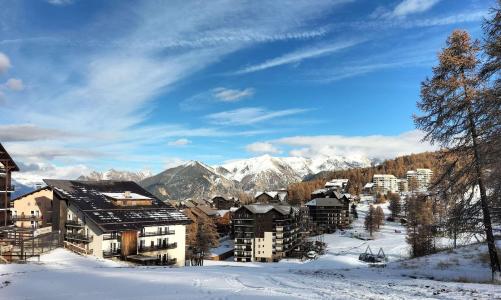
{"x":129,"y":243}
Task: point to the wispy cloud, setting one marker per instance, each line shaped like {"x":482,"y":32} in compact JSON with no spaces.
{"x":179,"y":142}
{"x":262,"y":147}
{"x":29,"y":132}
{"x":4,"y":63}
{"x":232,"y":95}
{"x":297,"y":56}
{"x":14,"y":84}
{"x":60,"y":2}
{"x":106,"y":90}
{"x":404,"y":8}
{"x":250,"y":115}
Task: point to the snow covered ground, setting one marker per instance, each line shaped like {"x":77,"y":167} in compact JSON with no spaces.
{"x":336,"y":275}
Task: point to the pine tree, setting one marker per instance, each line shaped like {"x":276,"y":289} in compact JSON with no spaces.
{"x":354,"y":212}
{"x":419,"y":226}
{"x":395,"y":205}
{"x":379,"y":216}
{"x":458,"y":118}
{"x":370,"y":220}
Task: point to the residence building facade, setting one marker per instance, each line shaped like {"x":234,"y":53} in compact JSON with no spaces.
{"x":33,"y":210}
{"x":385,"y":183}
{"x":7,"y":166}
{"x":265,"y":232}
{"x":118,"y":219}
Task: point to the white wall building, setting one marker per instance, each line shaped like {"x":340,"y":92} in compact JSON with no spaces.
{"x":419,"y":180}
{"x":385,"y":183}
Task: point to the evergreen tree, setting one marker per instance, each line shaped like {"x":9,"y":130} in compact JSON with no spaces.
{"x":354,"y":212}
{"x":370,"y":220}
{"x":379,"y":216}
{"x":395,"y":205}
{"x":419,"y":226}
{"x":458,"y":118}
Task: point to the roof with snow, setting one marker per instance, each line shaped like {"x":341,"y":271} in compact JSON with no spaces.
{"x":264,"y":208}
{"x":93,"y":200}
{"x":369,"y":185}
{"x":325,"y":202}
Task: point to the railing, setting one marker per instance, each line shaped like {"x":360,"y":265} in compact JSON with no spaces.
{"x":78,"y":237}
{"x":76,"y":248}
{"x":110,"y":253}
{"x":26,"y":218}
{"x":9,"y":188}
{"x":107,"y":237}
{"x":156,"y":248}
{"x":163,"y":232}
{"x":73,"y":223}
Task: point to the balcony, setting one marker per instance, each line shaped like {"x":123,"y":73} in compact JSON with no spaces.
{"x":26,"y":218}
{"x":77,"y":237}
{"x":110,"y":253}
{"x":157,"y":247}
{"x":243,"y":253}
{"x":243,"y":247}
{"x":111,"y":236}
{"x":7,"y":188}
{"x":279,"y":228}
{"x":156,"y":233}
{"x":73,"y":223}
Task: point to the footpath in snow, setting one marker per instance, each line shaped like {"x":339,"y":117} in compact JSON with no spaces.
{"x":336,"y":275}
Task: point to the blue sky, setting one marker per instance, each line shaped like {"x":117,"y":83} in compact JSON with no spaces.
{"x":148,"y":84}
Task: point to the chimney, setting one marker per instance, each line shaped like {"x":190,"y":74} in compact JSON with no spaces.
{"x":127,"y":194}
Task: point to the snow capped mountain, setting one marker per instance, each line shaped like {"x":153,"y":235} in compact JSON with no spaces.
{"x":190,"y":180}
{"x":113,"y":174}
{"x":268,"y":172}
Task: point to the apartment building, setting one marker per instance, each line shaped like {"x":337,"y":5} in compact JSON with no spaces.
{"x":419,"y":180}
{"x":403,"y":185}
{"x":265,"y":232}
{"x":329,"y":210}
{"x":385,"y":183}
{"x":7,"y":166}
{"x":118,"y":219}
{"x":340,"y":185}
{"x":33,"y":210}
{"x":278,"y":197}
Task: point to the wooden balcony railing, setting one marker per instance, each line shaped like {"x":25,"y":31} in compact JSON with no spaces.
{"x":157,"y":247}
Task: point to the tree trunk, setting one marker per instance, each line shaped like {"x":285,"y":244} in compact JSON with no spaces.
{"x":491,"y":243}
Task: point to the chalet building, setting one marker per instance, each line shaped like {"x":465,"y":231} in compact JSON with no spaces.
{"x":118,"y":219}
{"x":340,"y":185}
{"x":369,"y":189}
{"x":7,"y":166}
{"x":265,"y":232}
{"x":271,"y":197}
{"x":221,"y":203}
{"x":33,"y":210}
{"x":329,"y":210}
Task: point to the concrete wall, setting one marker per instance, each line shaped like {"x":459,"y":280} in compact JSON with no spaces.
{"x":264,"y":247}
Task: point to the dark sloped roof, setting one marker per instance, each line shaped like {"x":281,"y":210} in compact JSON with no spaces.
{"x":30,"y":193}
{"x":5,"y":157}
{"x":325,"y":202}
{"x":88,"y":197}
{"x":264,"y":208}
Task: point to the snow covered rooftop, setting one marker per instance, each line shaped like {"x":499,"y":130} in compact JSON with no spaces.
{"x":126,"y":196}
{"x":92,"y":198}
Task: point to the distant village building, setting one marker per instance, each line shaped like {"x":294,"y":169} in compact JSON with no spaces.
{"x":118,"y":219}
{"x":7,"y":166}
{"x":33,"y":210}
{"x":271,"y":197}
{"x":385,"y":183}
{"x":340,"y":185}
{"x":369,"y":188}
{"x":403,"y":185}
{"x":265,"y":232}
{"x":220,"y":202}
{"x":329,"y":210}
{"x":419,"y":180}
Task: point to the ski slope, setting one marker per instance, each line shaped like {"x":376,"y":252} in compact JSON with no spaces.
{"x":336,"y":275}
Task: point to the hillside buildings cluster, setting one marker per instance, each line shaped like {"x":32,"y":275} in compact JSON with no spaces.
{"x":416,"y":181}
